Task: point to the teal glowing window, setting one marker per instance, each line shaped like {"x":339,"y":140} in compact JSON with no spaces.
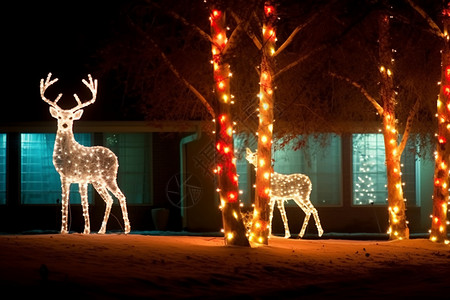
{"x":2,"y":168}
{"x":134,"y":153}
{"x":320,"y":159}
{"x":40,"y":183}
{"x":369,"y":171}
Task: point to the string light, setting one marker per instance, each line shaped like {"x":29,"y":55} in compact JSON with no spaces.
{"x":439,"y":223}
{"x":83,"y":165}
{"x":283,"y":188}
{"x":226,"y":162}
{"x":261,"y":234}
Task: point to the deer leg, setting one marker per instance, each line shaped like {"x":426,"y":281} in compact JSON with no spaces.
{"x":271,"y":208}
{"x":85,"y":203}
{"x":65,"y":187}
{"x":318,"y":225}
{"x":123,"y":204}
{"x":306,"y":207}
{"x":108,"y":200}
{"x":287,"y":233}
{"x":305,"y":223}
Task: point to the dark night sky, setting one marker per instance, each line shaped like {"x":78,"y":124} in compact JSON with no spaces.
{"x":62,"y":37}
{"x":52,"y":36}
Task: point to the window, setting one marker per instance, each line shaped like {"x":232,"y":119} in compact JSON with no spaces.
{"x":244,"y":168}
{"x":2,"y":168}
{"x":369,"y":171}
{"x":134,"y":153}
{"x":320,"y":160}
{"x":40,"y":183}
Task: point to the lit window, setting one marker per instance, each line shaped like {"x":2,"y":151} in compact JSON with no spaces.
{"x":243,"y":167}
{"x":369,"y":171}
{"x":40,"y":183}
{"x":134,"y":153}
{"x":318,"y":158}
{"x":2,"y":168}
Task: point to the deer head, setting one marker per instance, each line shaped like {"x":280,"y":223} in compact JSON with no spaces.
{"x":66,"y":117}
{"x":250,"y":156}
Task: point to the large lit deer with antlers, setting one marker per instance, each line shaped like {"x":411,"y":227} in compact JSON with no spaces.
{"x":83,"y":165}
{"x":285,"y":187}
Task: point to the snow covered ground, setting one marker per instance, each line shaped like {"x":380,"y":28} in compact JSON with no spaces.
{"x":116,"y":266}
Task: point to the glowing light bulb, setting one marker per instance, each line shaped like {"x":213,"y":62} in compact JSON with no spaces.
{"x":264,"y":139}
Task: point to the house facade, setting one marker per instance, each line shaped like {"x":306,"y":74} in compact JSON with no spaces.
{"x":166,"y":174}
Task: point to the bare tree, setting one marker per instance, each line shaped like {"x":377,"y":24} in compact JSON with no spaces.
{"x":439,"y":219}
{"x":187,"y":68}
{"x":386,"y":108}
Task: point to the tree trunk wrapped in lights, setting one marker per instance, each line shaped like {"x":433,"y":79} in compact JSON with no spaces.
{"x":439,"y":221}
{"x":260,"y":224}
{"x":234,"y":229}
{"x":441,"y":175}
{"x":268,"y":73}
{"x":219,"y":108}
{"x":398,"y":227}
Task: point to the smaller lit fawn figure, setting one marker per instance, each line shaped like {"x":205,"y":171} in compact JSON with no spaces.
{"x":284,"y":187}
{"x":79,"y":164}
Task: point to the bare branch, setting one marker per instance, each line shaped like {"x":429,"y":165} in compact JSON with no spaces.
{"x":176,"y":16}
{"x":289,"y":39}
{"x":233,"y":37}
{"x":363,"y":91}
{"x":434,"y":27}
{"x":294,"y":33}
{"x":408,"y":126}
{"x":251,"y":35}
{"x":188,"y":85}
{"x":175,"y":71}
{"x":299,"y":60}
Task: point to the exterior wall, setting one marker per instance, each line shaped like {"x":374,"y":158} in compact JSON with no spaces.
{"x":201,"y":213}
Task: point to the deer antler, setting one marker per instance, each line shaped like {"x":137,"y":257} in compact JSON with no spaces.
{"x":44,"y":86}
{"x":92,"y":86}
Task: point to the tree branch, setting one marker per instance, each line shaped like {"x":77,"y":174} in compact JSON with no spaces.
{"x":434,"y":27}
{"x":233,"y":37}
{"x":289,"y":39}
{"x":299,"y":60}
{"x":363,"y":91}
{"x":408,"y":126}
{"x":176,"y":16}
{"x":294,"y":33}
{"x":251,"y":35}
{"x":175,"y":71}
{"x":180,"y":77}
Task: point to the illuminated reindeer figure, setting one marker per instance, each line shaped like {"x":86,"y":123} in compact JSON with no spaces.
{"x":79,"y":164}
{"x":284,"y":187}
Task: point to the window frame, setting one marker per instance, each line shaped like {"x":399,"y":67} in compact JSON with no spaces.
{"x":416,"y":192}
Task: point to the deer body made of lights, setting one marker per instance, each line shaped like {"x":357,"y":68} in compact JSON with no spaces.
{"x":285,"y":187}
{"x":83,"y":165}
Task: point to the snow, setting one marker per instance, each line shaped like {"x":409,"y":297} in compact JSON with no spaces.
{"x":117,"y":266}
